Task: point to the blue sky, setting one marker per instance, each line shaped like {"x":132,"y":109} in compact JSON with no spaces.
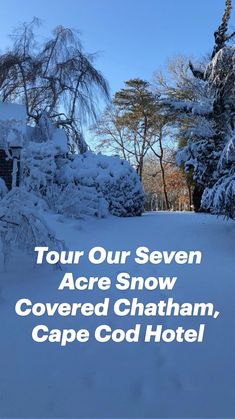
{"x":133,"y":37}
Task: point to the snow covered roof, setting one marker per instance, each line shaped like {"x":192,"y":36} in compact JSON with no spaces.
{"x":15,"y":132}
{"x":12,"y":111}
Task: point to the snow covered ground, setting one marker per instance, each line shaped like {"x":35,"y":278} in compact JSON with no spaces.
{"x":123,"y":380}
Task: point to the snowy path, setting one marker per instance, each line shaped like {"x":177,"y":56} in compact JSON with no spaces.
{"x":124,"y":380}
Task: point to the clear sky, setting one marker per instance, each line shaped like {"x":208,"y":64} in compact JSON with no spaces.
{"x":133,"y":37}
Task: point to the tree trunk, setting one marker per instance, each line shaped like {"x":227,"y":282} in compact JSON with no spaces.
{"x":190,"y":196}
{"x":197,"y":197}
{"x":163,"y":173}
{"x":164,"y":185}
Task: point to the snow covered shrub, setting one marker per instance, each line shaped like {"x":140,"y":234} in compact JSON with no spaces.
{"x":39,"y":166}
{"x":79,"y":185}
{"x":76,"y":201}
{"x":113,"y":178}
{"x":21,"y":225}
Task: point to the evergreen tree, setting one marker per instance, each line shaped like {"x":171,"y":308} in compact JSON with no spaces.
{"x":207,"y":124}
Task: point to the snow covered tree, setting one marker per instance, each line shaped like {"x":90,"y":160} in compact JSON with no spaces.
{"x":206,"y":124}
{"x":219,"y":196}
{"x":221,"y":34}
{"x":186,"y":102}
{"x":56,"y":78}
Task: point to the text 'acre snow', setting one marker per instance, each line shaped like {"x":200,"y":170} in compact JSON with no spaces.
{"x":105,"y":334}
{"x":98,"y":255}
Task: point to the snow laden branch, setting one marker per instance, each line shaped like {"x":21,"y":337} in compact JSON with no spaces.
{"x":21,"y":225}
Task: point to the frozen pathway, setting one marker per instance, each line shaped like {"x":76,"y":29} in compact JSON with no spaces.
{"x":124,"y":380}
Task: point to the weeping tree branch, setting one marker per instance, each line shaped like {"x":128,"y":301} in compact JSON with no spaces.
{"x":55,"y":78}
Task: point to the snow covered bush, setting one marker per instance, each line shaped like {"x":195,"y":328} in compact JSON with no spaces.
{"x":76,"y":201}
{"x":78,"y":185}
{"x":114,"y":179}
{"x":41,"y":168}
{"x":38,"y":167}
{"x":21,"y":225}
{"x":39,"y":162}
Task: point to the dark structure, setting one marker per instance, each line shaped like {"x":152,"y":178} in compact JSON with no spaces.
{"x":6,"y":169}
{"x":12,"y":135}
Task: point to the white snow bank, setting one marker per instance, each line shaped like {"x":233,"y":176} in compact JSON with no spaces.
{"x":123,"y":380}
